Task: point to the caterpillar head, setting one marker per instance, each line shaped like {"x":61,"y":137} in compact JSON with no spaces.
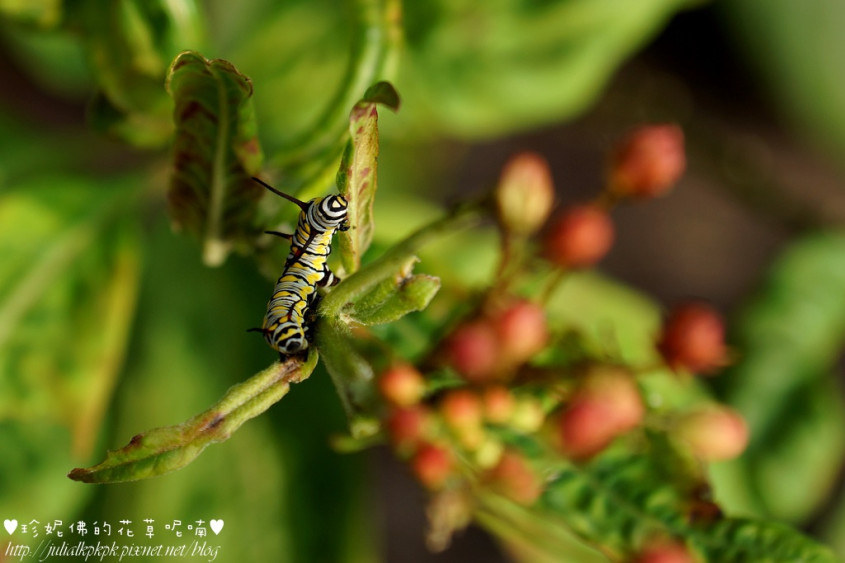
{"x":328,"y":212}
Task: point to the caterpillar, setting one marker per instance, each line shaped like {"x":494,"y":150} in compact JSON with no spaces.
{"x":287,"y":327}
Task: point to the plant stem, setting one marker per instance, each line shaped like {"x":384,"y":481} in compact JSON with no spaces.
{"x":370,"y":275}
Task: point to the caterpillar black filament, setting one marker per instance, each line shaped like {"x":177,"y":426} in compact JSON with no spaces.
{"x":286,"y":326}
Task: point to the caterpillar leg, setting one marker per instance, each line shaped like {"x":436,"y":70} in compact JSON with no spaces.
{"x":286,"y":236}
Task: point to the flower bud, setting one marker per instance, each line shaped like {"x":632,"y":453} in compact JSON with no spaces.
{"x":616,"y":387}
{"x":522,"y":332}
{"x":693,"y":338}
{"x":432,"y":465}
{"x":498,"y":404}
{"x":713,"y":434}
{"x":665,"y":552}
{"x":528,"y":415}
{"x":579,"y":237}
{"x":461,"y":409}
{"x":525,"y":194}
{"x":402,"y":385}
{"x":586,"y":429}
{"x":489,"y":452}
{"x":513,"y":478}
{"x":407,"y":428}
{"x":647,"y":162}
{"x":472,"y":350}
{"x":607,"y":404}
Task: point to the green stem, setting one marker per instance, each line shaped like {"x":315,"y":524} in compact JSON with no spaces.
{"x":370,"y":275}
{"x":527,"y":529}
{"x":352,"y":376}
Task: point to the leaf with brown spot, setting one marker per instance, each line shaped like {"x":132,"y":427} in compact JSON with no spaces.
{"x":166,"y":449}
{"x":215,"y":154}
{"x":357,"y":178}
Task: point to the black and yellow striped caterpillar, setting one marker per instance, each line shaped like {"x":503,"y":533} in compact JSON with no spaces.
{"x":287,"y":327}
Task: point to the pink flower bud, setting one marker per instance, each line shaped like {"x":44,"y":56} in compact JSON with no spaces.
{"x":432,"y":465}
{"x":461,"y":409}
{"x":648,"y":161}
{"x":693,"y":338}
{"x":498,"y":403}
{"x":525,"y":194}
{"x":713,"y":434}
{"x":579,"y":237}
{"x":514,"y":478}
{"x":402,"y":385}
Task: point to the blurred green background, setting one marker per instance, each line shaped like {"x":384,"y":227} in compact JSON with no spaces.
{"x":110,"y":324}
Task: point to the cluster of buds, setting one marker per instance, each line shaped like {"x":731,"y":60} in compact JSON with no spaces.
{"x":456,"y":439}
{"x":489,"y":348}
{"x":606,"y":404}
{"x":646,"y":163}
{"x":448,"y":435}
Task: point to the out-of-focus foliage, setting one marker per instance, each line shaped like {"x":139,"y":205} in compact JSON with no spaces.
{"x":797,"y":48}
{"x":110,"y":325}
{"x":789,"y":339}
{"x":477,"y":69}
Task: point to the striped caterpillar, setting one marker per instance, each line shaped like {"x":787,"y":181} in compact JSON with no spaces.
{"x":286,"y":326}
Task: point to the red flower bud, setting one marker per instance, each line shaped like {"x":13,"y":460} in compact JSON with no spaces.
{"x":432,"y":466}
{"x":693,"y":338}
{"x":472,"y":350}
{"x":665,"y":552}
{"x":579,"y":237}
{"x":522,"y":332}
{"x":648,"y":161}
{"x":607,"y":404}
{"x":407,"y":428}
{"x":402,"y":385}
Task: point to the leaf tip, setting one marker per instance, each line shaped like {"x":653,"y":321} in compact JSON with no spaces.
{"x":79,"y":474}
{"x":382,"y":93}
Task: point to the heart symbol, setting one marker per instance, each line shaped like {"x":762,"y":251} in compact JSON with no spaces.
{"x":216,"y":526}
{"x":12,"y":525}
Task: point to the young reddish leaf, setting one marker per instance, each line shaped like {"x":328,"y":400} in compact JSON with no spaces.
{"x":357,"y":178}
{"x":167,"y":449}
{"x":215,"y":153}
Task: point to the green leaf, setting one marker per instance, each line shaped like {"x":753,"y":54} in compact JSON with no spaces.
{"x":357,"y":178}
{"x":166,"y":449}
{"x":621,"y":499}
{"x":216,"y":152}
{"x":412,"y":293}
{"x":130,"y":44}
{"x":791,"y":336}
{"x":484,"y":69}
